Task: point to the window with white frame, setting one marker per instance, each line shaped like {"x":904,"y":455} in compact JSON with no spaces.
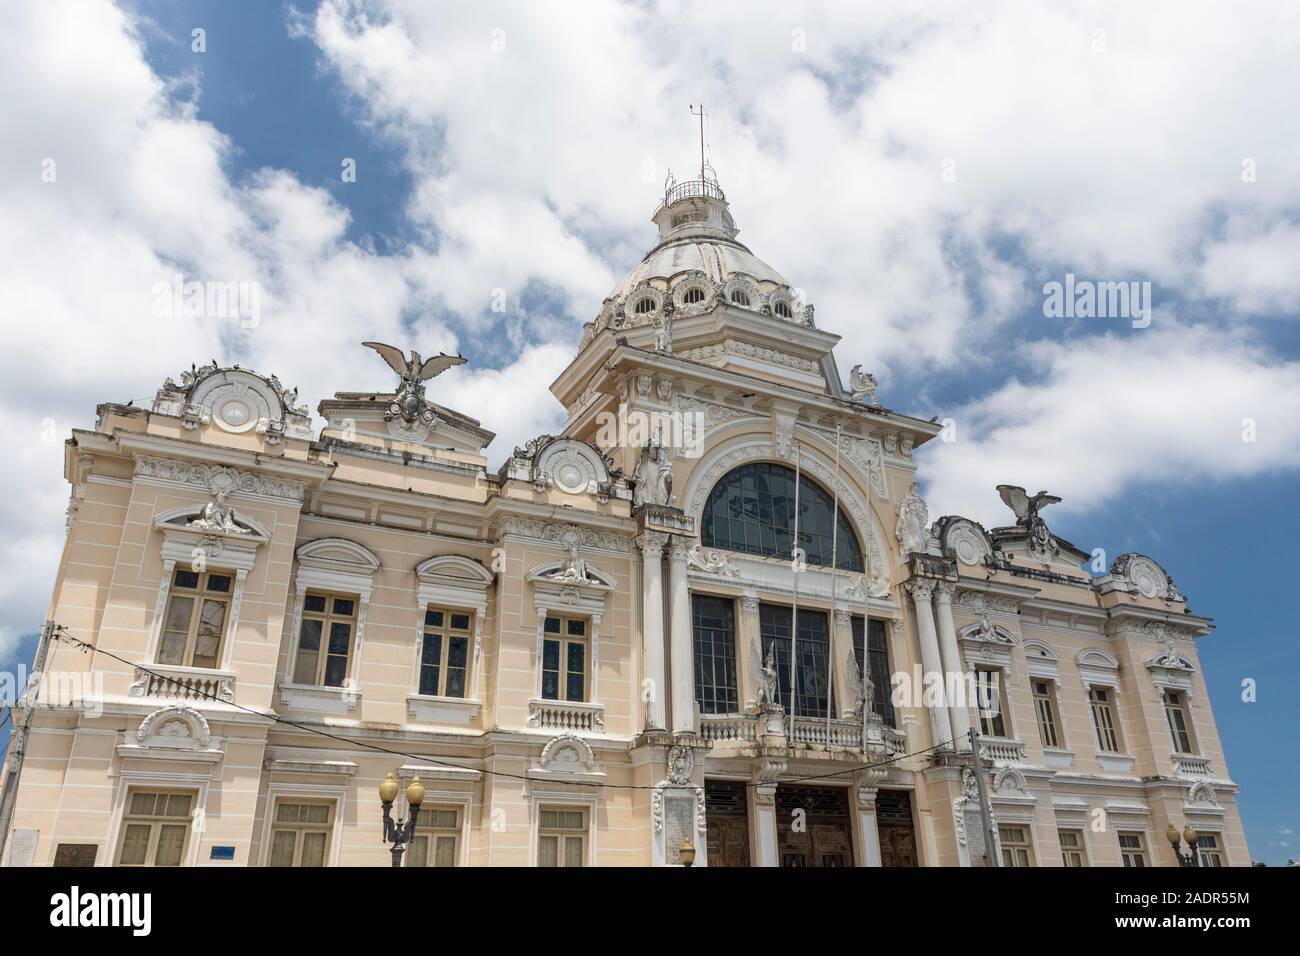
{"x":155,"y":828}
{"x":1100,"y":702}
{"x":1016,"y":847}
{"x":445,"y":652}
{"x":194,"y":623}
{"x":990,"y":697}
{"x":1180,"y":726}
{"x":1073,"y":851}
{"x":561,"y":836}
{"x":300,"y":833}
{"x":1133,"y":848}
{"x":1045,"y":709}
{"x":325,"y":639}
{"x":1210,"y":848}
{"x":437,"y":837}
{"x":565,"y":651}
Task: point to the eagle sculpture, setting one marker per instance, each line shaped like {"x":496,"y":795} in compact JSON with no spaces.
{"x":1025,"y":507}
{"x":409,"y":403}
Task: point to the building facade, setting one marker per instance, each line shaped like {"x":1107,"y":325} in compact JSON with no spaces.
{"x":586,"y":656}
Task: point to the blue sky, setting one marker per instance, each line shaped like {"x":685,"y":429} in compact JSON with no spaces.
{"x":523,"y":149}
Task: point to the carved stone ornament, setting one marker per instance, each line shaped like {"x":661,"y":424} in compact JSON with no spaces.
{"x":862,"y":385}
{"x":219,"y":517}
{"x":563,"y":533}
{"x":567,"y":752}
{"x":681,"y":764}
{"x":179,"y":726}
{"x":654,"y":477}
{"x":913,"y":516}
{"x":712,"y":562}
{"x":217,"y":479}
{"x":409,"y":403}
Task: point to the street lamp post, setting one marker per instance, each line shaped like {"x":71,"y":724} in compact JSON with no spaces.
{"x":400,"y":833}
{"x":1191,"y":858}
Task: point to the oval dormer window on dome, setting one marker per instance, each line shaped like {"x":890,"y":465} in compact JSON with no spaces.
{"x":739,"y":297}
{"x":693,"y":296}
{"x":783,"y":310}
{"x":644,"y":305}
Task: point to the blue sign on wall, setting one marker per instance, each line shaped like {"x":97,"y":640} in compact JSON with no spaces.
{"x":223,"y":853}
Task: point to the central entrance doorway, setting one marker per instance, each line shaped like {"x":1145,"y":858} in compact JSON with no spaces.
{"x":727,"y":811}
{"x":813,"y":826}
{"x":897,"y":832}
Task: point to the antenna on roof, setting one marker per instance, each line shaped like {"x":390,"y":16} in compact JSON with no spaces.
{"x":700,"y":114}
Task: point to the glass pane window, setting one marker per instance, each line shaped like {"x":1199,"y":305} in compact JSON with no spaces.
{"x":1132,"y":848}
{"x":1179,"y":726}
{"x":714,"y":621}
{"x":325,"y":640}
{"x":194,"y":621}
{"x":990,"y":696}
{"x":1016,"y":849}
{"x":878,"y":669}
{"x":1073,"y":852}
{"x":752,"y":509}
{"x":812,"y":654}
{"x":564,"y":659}
{"x":155,"y":828}
{"x":1210,"y":849}
{"x":437,"y":833}
{"x":1045,"y":709}
{"x":444,"y":655}
{"x":561,"y":837}
{"x":1103,"y":719}
{"x":301,"y":833}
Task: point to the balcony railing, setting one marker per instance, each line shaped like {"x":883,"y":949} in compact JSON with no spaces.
{"x":727,"y":728}
{"x":1191,"y":766}
{"x":702,"y":188}
{"x":821,"y":732}
{"x":567,"y":716}
{"x":184,"y":683}
{"x":1005,"y":751}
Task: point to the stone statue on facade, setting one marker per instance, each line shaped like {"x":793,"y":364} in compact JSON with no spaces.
{"x":409,"y":402}
{"x":913,"y":516}
{"x":575,"y":569}
{"x":217,"y":516}
{"x":862,"y":385}
{"x":768,"y":681}
{"x":1041,"y":543}
{"x":654,"y":477}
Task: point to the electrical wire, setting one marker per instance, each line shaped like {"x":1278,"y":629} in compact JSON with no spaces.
{"x":60,"y":633}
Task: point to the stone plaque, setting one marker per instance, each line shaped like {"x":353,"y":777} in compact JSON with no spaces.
{"x":679,"y":826}
{"x":22,"y":847}
{"x":975,"y":838}
{"x":75,"y":854}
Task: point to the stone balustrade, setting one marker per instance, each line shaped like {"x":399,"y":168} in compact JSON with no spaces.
{"x":184,"y":683}
{"x":566,"y":716}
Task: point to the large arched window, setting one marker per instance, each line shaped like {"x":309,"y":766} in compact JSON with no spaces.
{"x":752,"y":509}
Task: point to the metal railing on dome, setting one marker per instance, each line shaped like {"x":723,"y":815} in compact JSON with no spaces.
{"x":703,"y":188}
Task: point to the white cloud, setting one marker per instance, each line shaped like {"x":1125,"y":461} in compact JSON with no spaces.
{"x":1116,"y":412}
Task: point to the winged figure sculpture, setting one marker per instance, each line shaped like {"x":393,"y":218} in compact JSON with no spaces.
{"x":409,"y":402}
{"x":1025,"y":507}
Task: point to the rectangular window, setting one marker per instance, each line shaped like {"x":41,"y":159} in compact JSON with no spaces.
{"x":1179,"y":725}
{"x":1133,"y":848}
{"x":877,"y":667}
{"x":325,"y":641}
{"x":437,"y":834}
{"x":195,"y":619}
{"x":1016,"y":848}
{"x":562,"y":837}
{"x":1073,"y":852}
{"x":301,"y":833}
{"x":564,"y":659}
{"x":1103,"y":719}
{"x":991,"y":698}
{"x":155,"y":828}
{"x":1210,"y":849}
{"x":1045,"y":708}
{"x":715,"y":654}
{"x":812,"y":645}
{"x":444,"y":654}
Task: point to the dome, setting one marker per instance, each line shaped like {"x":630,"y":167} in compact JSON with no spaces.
{"x":697,"y":265}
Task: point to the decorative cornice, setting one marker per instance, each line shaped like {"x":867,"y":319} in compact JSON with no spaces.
{"x":215,"y":479}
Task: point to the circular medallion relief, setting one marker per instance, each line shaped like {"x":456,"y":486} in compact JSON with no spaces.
{"x":234,"y":413}
{"x":571,"y":478}
{"x":1148,"y":580}
{"x":968,"y":544}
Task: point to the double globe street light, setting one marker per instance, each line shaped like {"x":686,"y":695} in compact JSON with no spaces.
{"x":1190,"y":835}
{"x":401,"y":832}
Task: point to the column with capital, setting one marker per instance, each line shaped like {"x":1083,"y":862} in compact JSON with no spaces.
{"x":841,"y":649}
{"x":868,"y":831}
{"x":682,"y":655}
{"x":765,"y":825}
{"x":950,"y":654}
{"x":931,"y":663}
{"x":652,"y":628}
